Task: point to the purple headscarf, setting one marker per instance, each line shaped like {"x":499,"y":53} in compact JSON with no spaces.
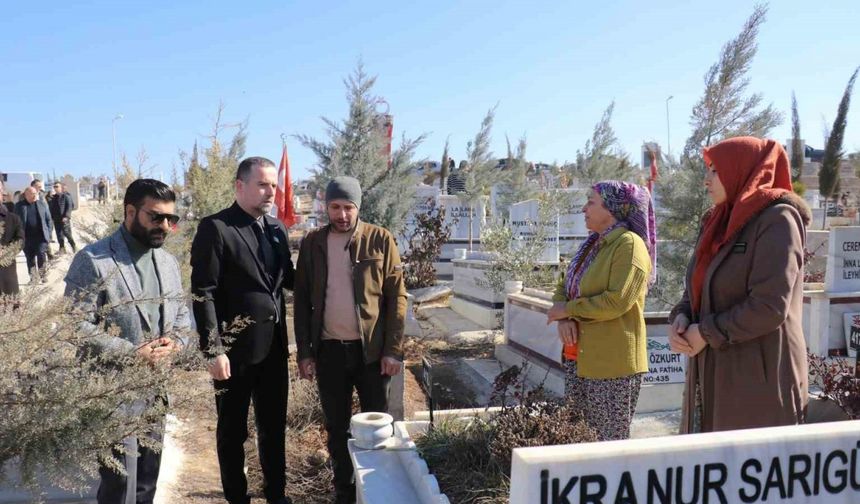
{"x":631,"y":206}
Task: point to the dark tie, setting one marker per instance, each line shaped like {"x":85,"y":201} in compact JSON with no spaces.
{"x":265,"y":250}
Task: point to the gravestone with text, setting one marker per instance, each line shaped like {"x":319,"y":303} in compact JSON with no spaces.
{"x":843,"y":260}
{"x":851,"y":324}
{"x":815,"y":463}
{"x":527,"y":225}
{"x":457,"y":211}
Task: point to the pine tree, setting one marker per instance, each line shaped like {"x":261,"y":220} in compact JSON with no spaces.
{"x":602,"y":158}
{"x":724,"y":110}
{"x":357,"y":148}
{"x":519,"y":187}
{"x":796,"y":143}
{"x":443,"y":169}
{"x":212,"y":185}
{"x":481,"y":170}
{"x":828,"y":175}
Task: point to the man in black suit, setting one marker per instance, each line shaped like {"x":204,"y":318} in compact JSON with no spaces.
{"x":36,"y":219}
{"x":241,"y":263}
{"x":61,"y":206}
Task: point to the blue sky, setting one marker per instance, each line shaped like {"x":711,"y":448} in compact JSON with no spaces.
{"x":552,"y":66}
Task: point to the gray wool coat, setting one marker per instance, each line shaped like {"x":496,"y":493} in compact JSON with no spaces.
{"x":753,"y":371}
{"x":103,"y":275}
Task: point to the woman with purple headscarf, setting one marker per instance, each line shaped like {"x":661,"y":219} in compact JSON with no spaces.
{"x":600,"y":304}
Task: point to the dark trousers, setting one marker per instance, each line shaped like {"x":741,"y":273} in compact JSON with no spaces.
{"x":340,"y":368}
{"x":36,"y":253}
{"x":267,"y":385}
{"x":64,"y":230}
{"x":137,"y":486}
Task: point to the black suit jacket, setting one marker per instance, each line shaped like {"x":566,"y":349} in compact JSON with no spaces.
{"x":61,"y":205}
{"x":231,"y":281}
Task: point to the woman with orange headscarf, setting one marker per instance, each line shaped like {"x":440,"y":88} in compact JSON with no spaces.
{"x":739,"y":320}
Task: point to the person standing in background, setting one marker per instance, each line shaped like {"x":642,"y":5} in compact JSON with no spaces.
{"x":11,"y":240}
{"x":36,"y":218}
{"x":61,"y":206}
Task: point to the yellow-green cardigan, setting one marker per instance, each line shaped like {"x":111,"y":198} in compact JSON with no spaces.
{"x":610,"y":308}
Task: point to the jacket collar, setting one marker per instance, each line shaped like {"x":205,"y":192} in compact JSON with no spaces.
{"x":614,"y":235}
{"x":244,"y":222}
{"x":356,"y":235}
{"x":125,"y":266}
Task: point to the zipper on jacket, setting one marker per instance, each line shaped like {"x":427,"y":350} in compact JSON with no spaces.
{"x":354,"y":261}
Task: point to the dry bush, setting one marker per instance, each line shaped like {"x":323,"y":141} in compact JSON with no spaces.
{"x":472,"y":459}
{"x":536,"y":424}
{"x":63,"y":408}
{"x":458,"y":454}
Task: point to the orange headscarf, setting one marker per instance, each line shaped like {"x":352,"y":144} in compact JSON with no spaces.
{"x":755,"y":172}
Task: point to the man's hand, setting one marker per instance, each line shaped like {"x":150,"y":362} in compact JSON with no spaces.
{"x":157,"y":350}
{"x":219,"y":367}
{"x":677,"y":342}
{"x":390,"y":366}
{"x":568,"y":332}
{"x":557,"y":312}
{"x":307,"y":368}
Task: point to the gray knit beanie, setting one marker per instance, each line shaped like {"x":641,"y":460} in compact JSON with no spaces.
{"x":344,"y":187}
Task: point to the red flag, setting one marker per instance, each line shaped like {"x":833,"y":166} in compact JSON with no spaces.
{"x":653,"y":177}
{"x":284,"y":194}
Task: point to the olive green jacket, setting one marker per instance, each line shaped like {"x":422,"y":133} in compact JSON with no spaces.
{"x":380,"y":293}
{"x":610,"y":308}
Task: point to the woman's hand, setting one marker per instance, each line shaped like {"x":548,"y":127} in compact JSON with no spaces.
{"x":568,"y":332}
{"x":694,"y":338}
{"x":677,"y":342}
{"x":557,"y":312}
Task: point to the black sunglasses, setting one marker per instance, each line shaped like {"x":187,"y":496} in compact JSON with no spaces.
{"x":158,"y":218}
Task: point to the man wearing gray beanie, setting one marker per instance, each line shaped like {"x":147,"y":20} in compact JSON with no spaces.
{"x":350,"y":307}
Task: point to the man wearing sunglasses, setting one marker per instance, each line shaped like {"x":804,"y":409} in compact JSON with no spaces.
{"x":130,"y":275}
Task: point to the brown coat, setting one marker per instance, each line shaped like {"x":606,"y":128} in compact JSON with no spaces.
{"x":380,"y":294}
{"x":753,"y":372}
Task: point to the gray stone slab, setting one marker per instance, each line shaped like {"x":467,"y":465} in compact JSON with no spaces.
{"x":433,"y":293}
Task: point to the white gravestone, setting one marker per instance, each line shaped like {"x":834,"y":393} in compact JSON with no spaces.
{"x":571,"y":219}
{"x":424,"y":199}
{"x":457,"y":216}
{"x":664,"y":365}
{"x":526,"y":227}
{"x":796,"y":464}
{"x":571,"y":222}
{"x":843,"y":260}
